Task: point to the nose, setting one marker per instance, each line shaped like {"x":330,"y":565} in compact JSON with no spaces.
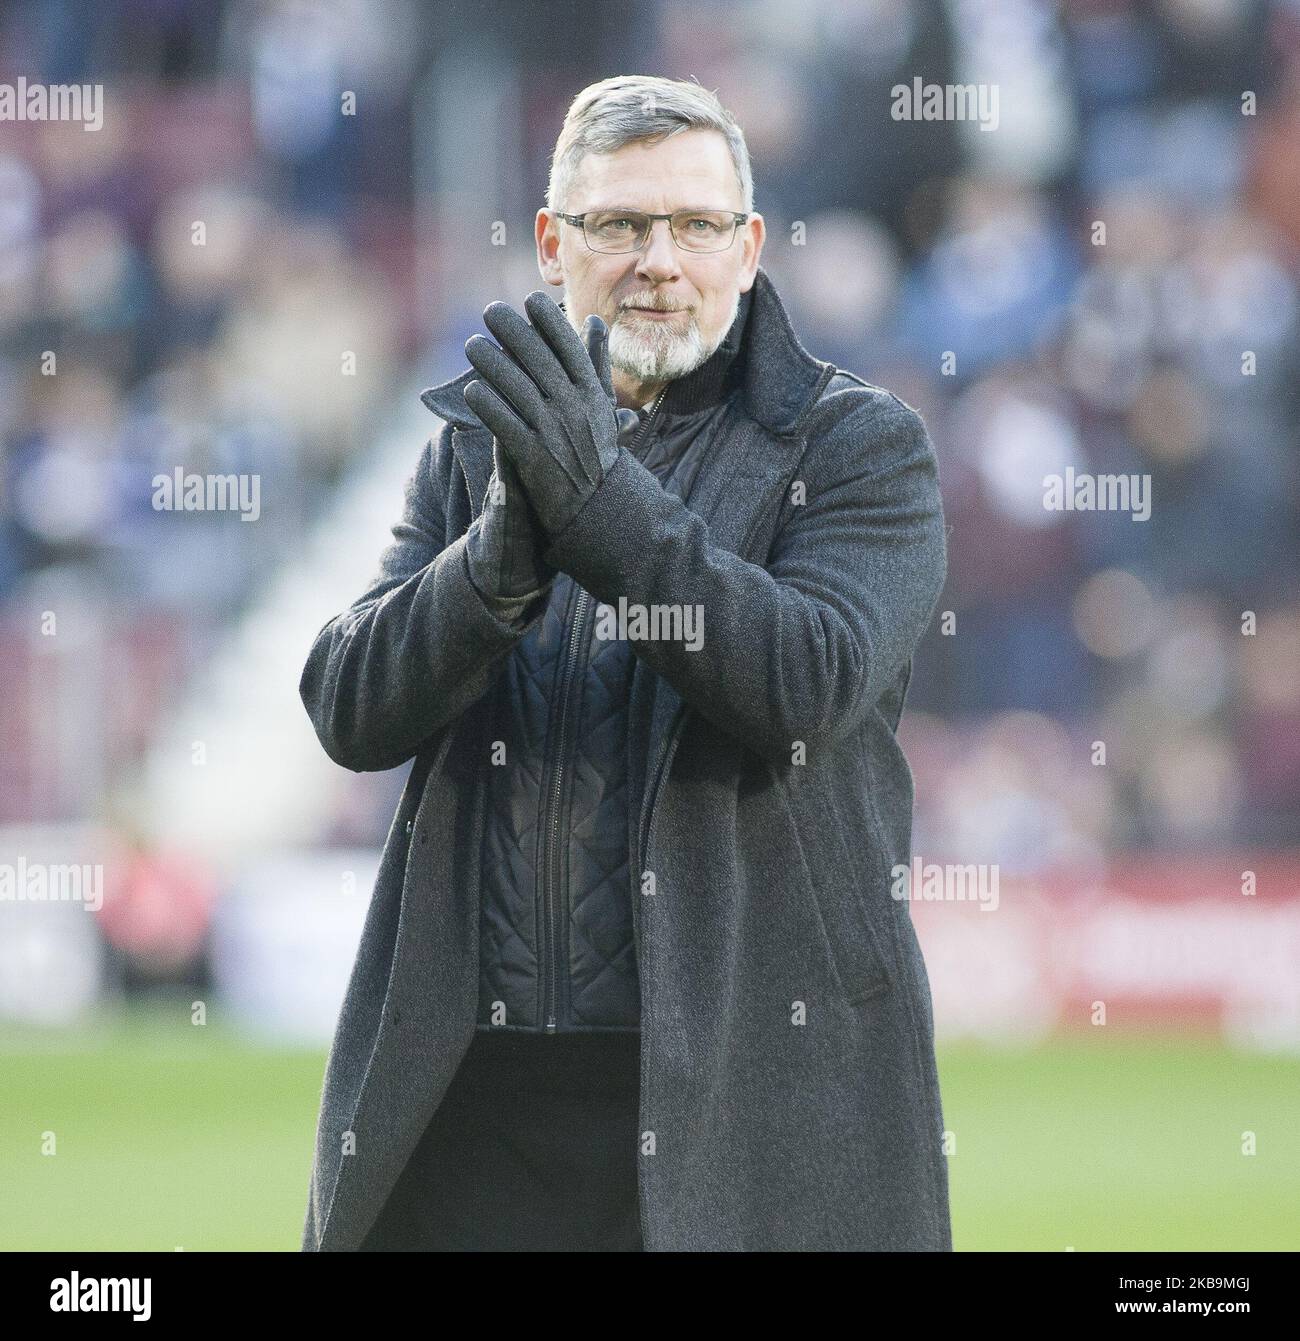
{"x":657,"y":261}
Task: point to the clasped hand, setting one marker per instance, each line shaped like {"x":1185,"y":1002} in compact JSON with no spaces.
{"x":548,"y":398}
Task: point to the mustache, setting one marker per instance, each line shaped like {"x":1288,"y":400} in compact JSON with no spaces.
{"x":655,"y":304}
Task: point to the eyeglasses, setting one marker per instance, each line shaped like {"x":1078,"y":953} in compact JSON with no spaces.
{"x":627,"y":230}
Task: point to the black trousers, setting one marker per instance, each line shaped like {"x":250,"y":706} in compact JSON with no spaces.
{"x":533,"y":1149}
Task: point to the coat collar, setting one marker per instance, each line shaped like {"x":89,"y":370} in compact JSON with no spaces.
{"x":778,"y":375}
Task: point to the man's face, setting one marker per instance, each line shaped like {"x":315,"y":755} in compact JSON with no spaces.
{"x":667,"y":309}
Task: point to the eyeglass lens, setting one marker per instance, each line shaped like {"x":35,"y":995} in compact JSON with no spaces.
{"x":627,"y":230}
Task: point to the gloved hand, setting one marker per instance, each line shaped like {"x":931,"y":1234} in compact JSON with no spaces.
{"x":548,"y":398}
{"x":504,"y":544}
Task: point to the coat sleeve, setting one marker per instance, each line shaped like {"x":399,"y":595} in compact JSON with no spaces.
{"x":416,"y":648}
{"x":799,"y":649}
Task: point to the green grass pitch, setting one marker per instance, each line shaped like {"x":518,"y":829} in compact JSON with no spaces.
{"x":171,"y":1136}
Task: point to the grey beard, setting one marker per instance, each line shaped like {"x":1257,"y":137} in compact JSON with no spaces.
{"x":653,"y":353}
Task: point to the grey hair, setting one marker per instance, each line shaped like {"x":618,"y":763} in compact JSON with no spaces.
{"x":607,"y":115}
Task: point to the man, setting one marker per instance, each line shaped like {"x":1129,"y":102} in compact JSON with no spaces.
{"x":632,"y":976}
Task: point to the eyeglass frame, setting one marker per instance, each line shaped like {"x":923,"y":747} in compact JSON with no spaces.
{"x":737,"y":218}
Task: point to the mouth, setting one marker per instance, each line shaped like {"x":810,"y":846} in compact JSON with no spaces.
{"x":658,"y":314}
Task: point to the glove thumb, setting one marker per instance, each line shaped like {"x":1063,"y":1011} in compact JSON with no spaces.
{"x":595,"y":335}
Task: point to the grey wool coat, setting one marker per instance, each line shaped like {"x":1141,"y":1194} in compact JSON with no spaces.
{"x":789,"y":1093}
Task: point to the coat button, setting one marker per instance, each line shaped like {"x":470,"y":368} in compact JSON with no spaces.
{"x":410,"y":824}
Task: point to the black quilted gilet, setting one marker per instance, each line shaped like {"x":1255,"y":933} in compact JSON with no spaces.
{"x":556,"y":944}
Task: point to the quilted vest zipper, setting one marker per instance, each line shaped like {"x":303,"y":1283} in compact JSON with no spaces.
{"x":551,"y":867}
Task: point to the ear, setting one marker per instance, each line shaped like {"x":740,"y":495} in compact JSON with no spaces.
{"x":753,"y":234}
{"x":546,"y":232}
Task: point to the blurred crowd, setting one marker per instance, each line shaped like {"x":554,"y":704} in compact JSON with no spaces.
{"x":1079,"y":288}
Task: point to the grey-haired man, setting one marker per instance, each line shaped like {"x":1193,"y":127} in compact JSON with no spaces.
{"x":632,"y":976}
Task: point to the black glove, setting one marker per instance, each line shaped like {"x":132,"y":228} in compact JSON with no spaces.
{"x":548,"y":398}
{"x":504,"y":544}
